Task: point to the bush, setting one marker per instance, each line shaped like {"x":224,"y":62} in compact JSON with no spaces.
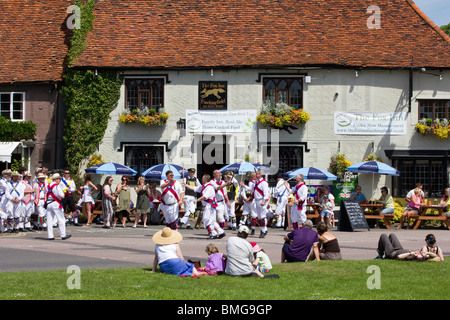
{"x":16,"y":130}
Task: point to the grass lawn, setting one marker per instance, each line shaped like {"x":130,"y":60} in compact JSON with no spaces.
{"x":324,"y":280}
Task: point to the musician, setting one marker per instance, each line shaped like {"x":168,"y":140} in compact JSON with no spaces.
{"x":171,"y":199}
{"x":230,"y":211}
{"x":55,"y":212}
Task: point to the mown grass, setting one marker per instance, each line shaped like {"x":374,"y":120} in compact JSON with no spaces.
{"x":324,"y":280}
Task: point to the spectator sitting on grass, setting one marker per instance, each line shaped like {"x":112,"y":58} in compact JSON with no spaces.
{"x":298,"y":244}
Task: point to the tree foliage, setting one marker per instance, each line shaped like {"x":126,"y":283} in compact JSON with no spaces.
{"x":446,"y":29}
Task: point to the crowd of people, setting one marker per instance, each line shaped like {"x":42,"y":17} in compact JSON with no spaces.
{"x":39,"y":202}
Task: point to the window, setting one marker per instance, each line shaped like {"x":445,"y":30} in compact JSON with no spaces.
{"x":289,"y":158}
{"x":431,"y":173}
{"x":287,"y":90}
{"x":434,"y":109}
{"x":12,"y":105}
{"x":144,"y":93}
{"x":140,"y":158}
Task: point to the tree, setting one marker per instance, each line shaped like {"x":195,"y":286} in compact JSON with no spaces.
{"x":446,"y":29}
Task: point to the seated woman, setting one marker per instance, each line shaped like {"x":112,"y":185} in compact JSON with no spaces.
{"x":432,"y":249}
{"x":329,"y":246}
{"x":411,"y":209}
{"x":387,"y":201}
{"x":168,"y":255}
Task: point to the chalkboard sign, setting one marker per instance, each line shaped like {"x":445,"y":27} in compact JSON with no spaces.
{"x":351,"y":216}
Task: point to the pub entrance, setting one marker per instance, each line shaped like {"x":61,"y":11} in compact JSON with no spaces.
{"x":212,"y":153}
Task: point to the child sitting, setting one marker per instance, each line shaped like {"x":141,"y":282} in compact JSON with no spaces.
{"x":262,"y":262}
{"x":216,"y":260}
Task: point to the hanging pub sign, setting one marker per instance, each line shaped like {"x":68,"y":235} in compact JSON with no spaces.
{"x":212,"y":95}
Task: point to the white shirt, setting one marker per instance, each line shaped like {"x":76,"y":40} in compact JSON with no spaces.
{"x":280,"y":190}
{"x":14,"y":190}
{"x":56,"y":190}
{"x":29,"y":186}
{"x":208,"y":192}
{"x":169,"y":197}
{"x":70,"y":188}
{"x":166,"y":252}
{"x":220,"y":194}
{"x":262,"y":185}
{"x":302,"y":193}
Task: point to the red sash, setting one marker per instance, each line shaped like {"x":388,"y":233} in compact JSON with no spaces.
{"x":167,"y":189}
{"x":256,"y":188}
{"x":219,"y":184}
{"x":300,"y":202}
{"x":212,"y":201}
{"x":50,"y":193}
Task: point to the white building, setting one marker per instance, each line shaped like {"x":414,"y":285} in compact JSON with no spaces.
{"x":374,"y":70}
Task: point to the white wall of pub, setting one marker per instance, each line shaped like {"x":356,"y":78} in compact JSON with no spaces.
{"x":330,"y":90}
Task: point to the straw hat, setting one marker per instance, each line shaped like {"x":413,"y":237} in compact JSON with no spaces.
{"x":15,"y":173}
{"x":56,"y":176}
{"x":167,"y":236}
{"x":41,"y":176}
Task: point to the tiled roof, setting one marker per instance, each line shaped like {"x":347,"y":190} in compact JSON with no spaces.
{"x":32,"y":40}
{"x":239,"y":33}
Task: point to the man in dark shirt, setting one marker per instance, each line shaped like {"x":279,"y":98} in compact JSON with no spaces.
{"x":298,"y":244}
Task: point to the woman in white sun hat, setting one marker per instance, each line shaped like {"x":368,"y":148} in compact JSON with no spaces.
{"x":168,"y":254}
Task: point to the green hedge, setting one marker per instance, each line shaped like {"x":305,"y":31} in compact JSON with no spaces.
{"x":16,"y":130}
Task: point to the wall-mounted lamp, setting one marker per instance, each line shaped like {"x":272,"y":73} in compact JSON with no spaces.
{"x":96,"y":73}
{"x":357,"y":73}
{"x":181,"y":125}
{"x":212,"y":72}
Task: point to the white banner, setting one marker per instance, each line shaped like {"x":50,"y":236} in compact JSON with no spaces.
{"x":220,"y":121}
{"x":368,"y":123}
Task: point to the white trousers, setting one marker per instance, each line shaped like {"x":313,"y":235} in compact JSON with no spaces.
{"x":298,"y":215}
{"x":170,"y":211}
{"x":261,"y":212}
{"x":55,"y":213}
{"x":280,"y":210}
{"x":189,"y":208}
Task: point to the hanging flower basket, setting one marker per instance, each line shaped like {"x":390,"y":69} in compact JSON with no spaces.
{"x":438,"y":128}
{"x":146,"y":117}
{"x":372,"y":157}
{"x":339,"y":164}
{"x":282,"y":116}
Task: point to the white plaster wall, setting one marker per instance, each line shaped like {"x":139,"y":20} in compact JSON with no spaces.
{"x":329,"y":91}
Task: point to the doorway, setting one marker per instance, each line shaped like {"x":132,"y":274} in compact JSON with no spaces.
{"x":212,"y":153}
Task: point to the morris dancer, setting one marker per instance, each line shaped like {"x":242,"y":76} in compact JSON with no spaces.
{"x":171,"y":199}
{"x":248,"y":208}
{"x":14,"y":207}
{"x":28,"y":202}
{"x":40,"y":188}
{"x":300,"y":192}
{"x":207,"y":197}
{"x":221,"y":197}
{"x":281,"y":194}
{"x":189,"y":197}
{"x":53,"y":200}
{"x":261,"y":197}
{"x":6,"y":177}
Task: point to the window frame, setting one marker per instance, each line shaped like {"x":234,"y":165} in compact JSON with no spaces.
{"x":150,"y":98}
{"x":11,"y":105}
{"x":276,"y":80}
{"x":434,"y":101}
{"x":139,"y":148}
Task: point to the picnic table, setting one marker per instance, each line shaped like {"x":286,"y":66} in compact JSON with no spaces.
{"x":378,"y":208}
{"x":423,"y":217}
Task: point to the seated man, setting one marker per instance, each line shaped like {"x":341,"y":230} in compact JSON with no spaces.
{"x":298,"y":244}
{"x":358,"y":195}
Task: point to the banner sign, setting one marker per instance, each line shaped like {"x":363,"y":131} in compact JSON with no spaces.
{"x":220,"y":121}
{"x":368,"y":123}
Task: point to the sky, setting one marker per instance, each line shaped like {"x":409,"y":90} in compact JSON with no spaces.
{"x":437,"y":10}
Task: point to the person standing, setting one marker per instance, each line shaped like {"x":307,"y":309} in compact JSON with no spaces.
{"x":208,"y":199}
{"x":28,"y":202}
{"x":142,"y":202}
{"x":40,"y":189}
{"x":55,"y":211}
{"x":221,"y":197}
{"x":123,"y":191}
{"x":6,"y":177}
{"x":281,"y":194}
{"x":189,"y":197}
{"x":87,"y":200}
{"x":230,"y":211}
{"x":171,"y":199}
{"x":245,"y":197}
{"x":14,"y":208}
{"x":300,"y":192}
{"x":107,"y":202}
{"x":69,"y":188}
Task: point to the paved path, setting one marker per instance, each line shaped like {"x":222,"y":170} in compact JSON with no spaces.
{"x":95,"y":247}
